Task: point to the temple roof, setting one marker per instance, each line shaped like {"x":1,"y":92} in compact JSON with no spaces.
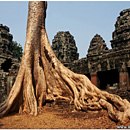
{"x":121,"y":35}
{"x":97,"y":46}
{"x":64,"y":47}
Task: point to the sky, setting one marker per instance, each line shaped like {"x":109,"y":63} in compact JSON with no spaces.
{"x":83,"y":19}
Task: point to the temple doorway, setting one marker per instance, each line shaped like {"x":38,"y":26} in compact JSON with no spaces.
{"x":109,"y":77}
{"x":6,"y":65}
{"x":88,"y":75}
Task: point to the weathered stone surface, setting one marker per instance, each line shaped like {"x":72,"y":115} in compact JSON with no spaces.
{"x":64,"y":47}
{"x":107,"y":67}
{"x":121,"y":35}
{"x":112,"y":66}
{"x":97,"y":46}
{"x":8,"y":64}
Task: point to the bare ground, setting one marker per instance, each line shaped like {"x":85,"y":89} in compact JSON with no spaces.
{"x":58,"y":118}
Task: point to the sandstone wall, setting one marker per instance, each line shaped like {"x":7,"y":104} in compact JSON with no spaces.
{"x":8,"y":64}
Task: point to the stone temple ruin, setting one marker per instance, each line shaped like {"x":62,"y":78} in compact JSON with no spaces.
{"x":97,"y":46}
{"x":8,"y":64}
{"x":106,"y":68}
{"x":64,"y":47}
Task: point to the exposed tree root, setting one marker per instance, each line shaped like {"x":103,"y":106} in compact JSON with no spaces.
{"x":42,"y":77}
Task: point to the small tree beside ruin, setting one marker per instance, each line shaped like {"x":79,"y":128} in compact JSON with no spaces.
{"x":17,"y":50}
{"x":42,"y":77}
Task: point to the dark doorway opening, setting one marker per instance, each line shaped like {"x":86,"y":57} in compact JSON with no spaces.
{"x":128,"y":69}
{"x":108,"y":77}
{"x":6,"y":65}
{"x":88,"y":75}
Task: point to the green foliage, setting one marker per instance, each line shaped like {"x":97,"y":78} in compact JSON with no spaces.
{"x":17,"y":50}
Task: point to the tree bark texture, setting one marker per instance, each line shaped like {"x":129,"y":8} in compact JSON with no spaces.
{"x":42,"y":77}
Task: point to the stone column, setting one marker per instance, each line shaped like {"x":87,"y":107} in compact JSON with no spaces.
{"x":94,"y":79}
{"x":123,"y":78}
{"x":10,"y":82}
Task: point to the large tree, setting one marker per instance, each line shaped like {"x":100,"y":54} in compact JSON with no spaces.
{"x":42,"y":77}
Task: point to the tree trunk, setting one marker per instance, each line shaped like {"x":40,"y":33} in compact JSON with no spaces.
{"x":42,"y":77}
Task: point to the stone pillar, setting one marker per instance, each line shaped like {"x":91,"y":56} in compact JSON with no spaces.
{"x":10,"y":82}
{"x":123,"y":78}
{"x":94,"y":79}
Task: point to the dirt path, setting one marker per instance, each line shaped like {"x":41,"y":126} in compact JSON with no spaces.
{"x":53,"y":118}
